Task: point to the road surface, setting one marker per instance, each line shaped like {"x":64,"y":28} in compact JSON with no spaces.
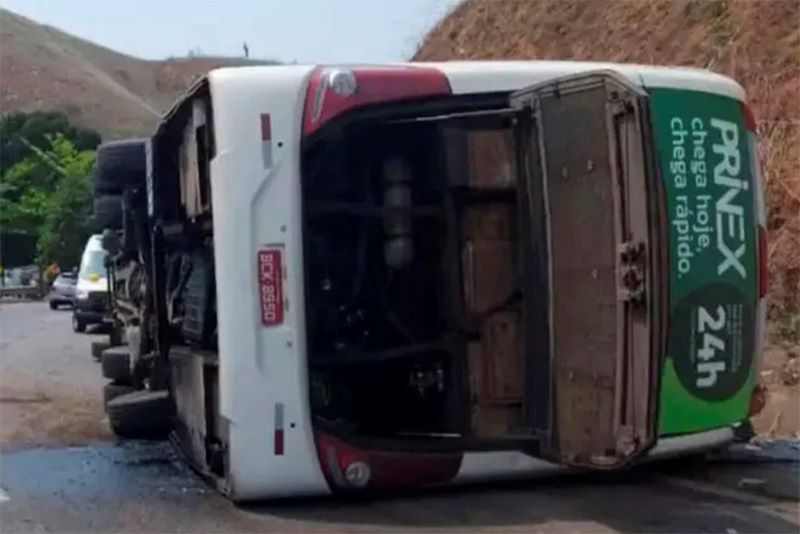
{"x":61,"y":471}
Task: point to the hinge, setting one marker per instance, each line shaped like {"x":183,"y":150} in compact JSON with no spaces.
{"x":618,"y":105}
{"x":633,"y":265}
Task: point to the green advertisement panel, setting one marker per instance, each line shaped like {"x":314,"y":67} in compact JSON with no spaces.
{"x":703,"y":155}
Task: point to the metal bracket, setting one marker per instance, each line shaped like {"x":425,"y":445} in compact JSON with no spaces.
{"x":633,"y":287}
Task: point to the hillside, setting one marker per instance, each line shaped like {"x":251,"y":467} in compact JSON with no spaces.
{"x":42,"y":67}
{"x":755,"y":42}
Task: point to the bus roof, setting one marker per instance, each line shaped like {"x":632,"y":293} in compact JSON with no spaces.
{"x":493,"y":76}
{"x":471,"y":76}
{"x":467,"y":77}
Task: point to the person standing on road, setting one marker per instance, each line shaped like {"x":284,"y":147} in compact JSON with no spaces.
{"x":52,"y":272}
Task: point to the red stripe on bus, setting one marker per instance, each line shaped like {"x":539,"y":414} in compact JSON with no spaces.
{"x":749,"y":118}
{"x":266,"y":127}
{"x":374,"y":85}
{"x":388,"y":469}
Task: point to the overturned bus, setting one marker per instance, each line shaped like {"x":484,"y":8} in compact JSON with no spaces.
{"x":348,"y":278}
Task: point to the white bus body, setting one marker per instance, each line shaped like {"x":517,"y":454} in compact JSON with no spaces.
{"x":260,"y":119}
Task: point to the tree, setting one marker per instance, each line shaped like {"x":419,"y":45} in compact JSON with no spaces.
{"x":48,"y":193}
{"x":45,"y":196}
{"x":20,"y":130}
{"x":24,"y":195}
{"x":65,"y":227}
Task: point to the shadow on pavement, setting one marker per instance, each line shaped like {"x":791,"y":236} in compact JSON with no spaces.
{"x":106,"y":482}
{"x":634,"y":501}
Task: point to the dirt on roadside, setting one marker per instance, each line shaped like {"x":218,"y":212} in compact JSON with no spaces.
{"x":780,"y":375}
{"x":50,"y":386}
{"x":48,"y":417}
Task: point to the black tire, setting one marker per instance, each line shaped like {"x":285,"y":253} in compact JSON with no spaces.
{"x":112,"y":391}
{"x":107,"y":212}
{"x":744,"y":432}
{"x":115,"y":336}
{"x":98,"y":347}
{"x":78,"y":324}
{"x":119,"y":165}
{"x":53,"y":305}
{"x":129,"y":245}
{"x":141,"y":415}
{"x":116,"y":363}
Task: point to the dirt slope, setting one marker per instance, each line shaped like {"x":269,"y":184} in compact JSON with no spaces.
{"x":119,"y":95}
{"x":755,"y":42}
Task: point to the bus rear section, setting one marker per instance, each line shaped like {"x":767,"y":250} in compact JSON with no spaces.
{"x":575,"y":273}
{"x":483,"y":273}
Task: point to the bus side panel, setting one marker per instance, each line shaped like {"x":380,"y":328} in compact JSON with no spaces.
{"x":256,"y":202}
{"x":704,"y":153}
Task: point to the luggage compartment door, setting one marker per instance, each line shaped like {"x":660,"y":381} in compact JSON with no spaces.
{"x":588,"y":235}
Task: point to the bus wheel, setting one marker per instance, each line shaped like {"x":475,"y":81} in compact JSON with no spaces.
{"x":141,"y":415}
{"x":77,"y":324}
{"x":115,"y":336}
{"x":111,"y":391}
{"x":116,"y":363}
{"x":98,"y":347}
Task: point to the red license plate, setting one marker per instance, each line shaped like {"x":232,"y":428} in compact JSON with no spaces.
{"x":270,"y":281}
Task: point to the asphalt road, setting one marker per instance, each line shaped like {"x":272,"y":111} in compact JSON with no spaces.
{"x":56,"y":479}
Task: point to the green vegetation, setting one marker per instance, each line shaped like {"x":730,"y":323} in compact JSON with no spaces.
{"x":19,"y":131}
{"x":45,"y":186}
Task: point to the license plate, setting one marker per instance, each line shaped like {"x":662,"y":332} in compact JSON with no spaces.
{"x":270,"y":281}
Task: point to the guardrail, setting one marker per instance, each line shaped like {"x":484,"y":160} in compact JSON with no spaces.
{"x":24,"y":292}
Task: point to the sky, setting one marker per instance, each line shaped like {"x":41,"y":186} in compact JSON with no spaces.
{"x":324,"y":31}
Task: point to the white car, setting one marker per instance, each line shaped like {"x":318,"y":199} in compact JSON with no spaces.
{"x":91,"y":291}
{"x":63,"y":290}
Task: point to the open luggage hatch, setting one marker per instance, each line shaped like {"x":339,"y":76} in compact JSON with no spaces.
{"x":590,"y":294}
{"x":541,"y":267}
